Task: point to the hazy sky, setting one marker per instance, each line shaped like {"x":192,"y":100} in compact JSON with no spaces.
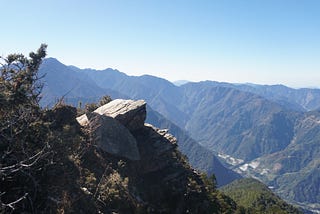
{"x":258,"y":41}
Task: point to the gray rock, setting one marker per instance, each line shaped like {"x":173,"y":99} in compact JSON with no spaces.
{"x":161,"y":140}
{"x":83,"y":120}
{"x":112,"y":137}
{"x":129,"y":113}
{"x":111,"y":126}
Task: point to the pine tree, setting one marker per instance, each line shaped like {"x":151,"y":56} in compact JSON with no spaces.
{"x":22,"y":136}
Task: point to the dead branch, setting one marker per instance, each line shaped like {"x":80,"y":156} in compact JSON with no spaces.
{"x":22,"y":164}
{"x":12,"y":204}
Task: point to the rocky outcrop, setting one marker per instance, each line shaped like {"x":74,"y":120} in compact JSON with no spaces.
{"x":111,"y":125}
{"x":83,"y":120}
{"x":141,"y":164}
{"x":162,"y":141}
{"x":155,"y":146}
{"x":112,"y":137}
{"x":129,"y":113}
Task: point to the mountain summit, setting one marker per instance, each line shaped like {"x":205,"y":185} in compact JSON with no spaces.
{"x":154,"y":176}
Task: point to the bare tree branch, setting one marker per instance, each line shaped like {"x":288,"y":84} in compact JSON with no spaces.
{"x":12,"y":204}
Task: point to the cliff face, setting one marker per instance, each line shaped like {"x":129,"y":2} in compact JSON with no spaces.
{"x":137,"y":167}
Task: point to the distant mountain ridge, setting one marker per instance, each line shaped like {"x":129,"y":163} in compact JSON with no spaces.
{"x":65,"y":81}
{"x":244,"y":124}
{"x":303,"y":99}
{"x":237,"y":122}
{"x":180,"y":82}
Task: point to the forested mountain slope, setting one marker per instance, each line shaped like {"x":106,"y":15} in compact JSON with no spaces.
{"x":252,"y":195}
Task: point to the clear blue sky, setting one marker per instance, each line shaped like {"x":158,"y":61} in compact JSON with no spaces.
{"x":258,"y":41}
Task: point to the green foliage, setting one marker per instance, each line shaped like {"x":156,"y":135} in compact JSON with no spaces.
{"x":19,"y":79}
{"x":211,"y":181}
{"x":35,"y":144}
{"x":113,"y":188}
{"x":61,"y":115}
{"x":90,"y":107}
{"x":23,"y":135}
{"x":19,"y":95}
{"x":104,"y":100}
{"x":255,"y":197}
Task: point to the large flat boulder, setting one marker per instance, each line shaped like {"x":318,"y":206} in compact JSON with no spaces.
{"x":111,"y":126}
{"x":130,"y":113}
{"x":111,"y":136}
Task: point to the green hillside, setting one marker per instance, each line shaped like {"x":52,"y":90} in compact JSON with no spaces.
{"x":255,"y":197}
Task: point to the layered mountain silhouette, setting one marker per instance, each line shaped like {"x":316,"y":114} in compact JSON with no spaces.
{"x":269,"y":132}
{"x":63,"y":81}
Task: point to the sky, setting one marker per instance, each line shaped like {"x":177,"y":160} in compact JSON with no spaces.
{"x":238,"y":41}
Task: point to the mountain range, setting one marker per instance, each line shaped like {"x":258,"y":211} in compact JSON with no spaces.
{"x":268,"y":132}
{"x":74,"y":92}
